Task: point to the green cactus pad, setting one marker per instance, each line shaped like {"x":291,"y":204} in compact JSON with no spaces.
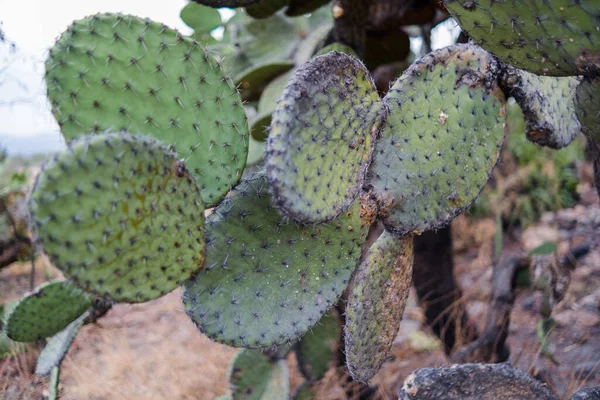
{"x":441,"y":139}
{"x":588,"y":107}
{"x":226,"y":3}
{"x":557,"y":38}
{"x":201,"y":19}
{"x":265,"y":8}
{"x":548,"y":104}
{"x":46,"y":311}
{"x":57,"y":347}
{"x":7,"y":346}
{"x":253,"y":376}
{"x":256,"y":152}
{"x":53,"y":387}
{"x":257,"y":77}
{"x":119,"y":72}
{"x":259,"y":126}
{"x":120,"y":215}
{"x":319,"y":347}
{"x":301,"y":7}
{"x":376,"y":303}
{"x":266,"y":280}
{"x":322,"y":137}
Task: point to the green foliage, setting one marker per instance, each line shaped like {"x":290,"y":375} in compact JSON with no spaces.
{"x":540,"y":179}
{"x":46,"y":311}
{"x":120,"y":215}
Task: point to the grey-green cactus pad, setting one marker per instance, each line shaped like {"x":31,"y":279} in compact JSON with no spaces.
{"x":558,"y":37}
{"x":266,"y":280}
{"x":57,"y":347}
{"x":322,"y":137}
{"x":376,"y":303}
{"x":318,"y":348}
{"x":46,"y":311}
{"x":548,"y":104}
{"x":441,"y":140}
{"x":120,"y":72}
{"x":120,"y":215}
{"x":253,"y":376}
{"x":588,"y":107}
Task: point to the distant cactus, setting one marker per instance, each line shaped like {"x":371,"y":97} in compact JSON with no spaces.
{"x":157,"y":133}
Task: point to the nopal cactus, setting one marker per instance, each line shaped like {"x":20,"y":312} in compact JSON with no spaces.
{"x":157,"y":134}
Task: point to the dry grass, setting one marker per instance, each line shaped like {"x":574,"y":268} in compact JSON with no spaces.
{"x":146,"y":351}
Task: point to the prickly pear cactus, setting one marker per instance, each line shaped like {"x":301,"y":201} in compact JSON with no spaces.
{"x":121,"y":216}
{"x":46,"y":311}
{"x":441,"y":140}
{"x":545,"y":37}
{"x":376,"y":303}
{"x":548,"y":104}
{"x":120,"y":72}
{"x":267,"y":280}
{"x":322,"y":137}
{"x":317,"y":350}
{"x":588,"y":107}
{"x":57,"y":347}
{"x":253,"y":376}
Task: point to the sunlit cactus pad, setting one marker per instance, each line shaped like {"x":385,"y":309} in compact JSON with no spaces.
{"x":322,"y":137}
{"x":46,"y":311}
{"x":120,"y":72}
{"x":441,"y":139}
{"x":546,"y":37}
{"x":376,"y":303}
{"x":120,"y":216}
{"x":548,"y":105}
{"x":267,"y":280}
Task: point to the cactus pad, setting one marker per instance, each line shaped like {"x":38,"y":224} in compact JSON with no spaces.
{"x":200,"y":18}
{"x":322,"y":137}
{"x":120,"y":215}
{"x":441,"y":139}
{"x":588,"y":107}
{"x":118,"y":72}
{"x":265,"y":8}
{"x":266,"y":280}
{"x":46,"y":311}
{"x":253,"y":376}
{"x":319,"y":347}
{"x":558,"y":37}
{"x":547,"y":103}
{"x":57,"y":347}
{"x":376,"y":303}
{"x":340,"y":47}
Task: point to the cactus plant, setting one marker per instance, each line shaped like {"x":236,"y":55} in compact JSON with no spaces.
{"x":122,"y":217}
{"x":46,"y":311}
{"x":376,"y":304}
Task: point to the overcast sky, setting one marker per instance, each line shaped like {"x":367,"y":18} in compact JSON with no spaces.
{"x":34,"y":25}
